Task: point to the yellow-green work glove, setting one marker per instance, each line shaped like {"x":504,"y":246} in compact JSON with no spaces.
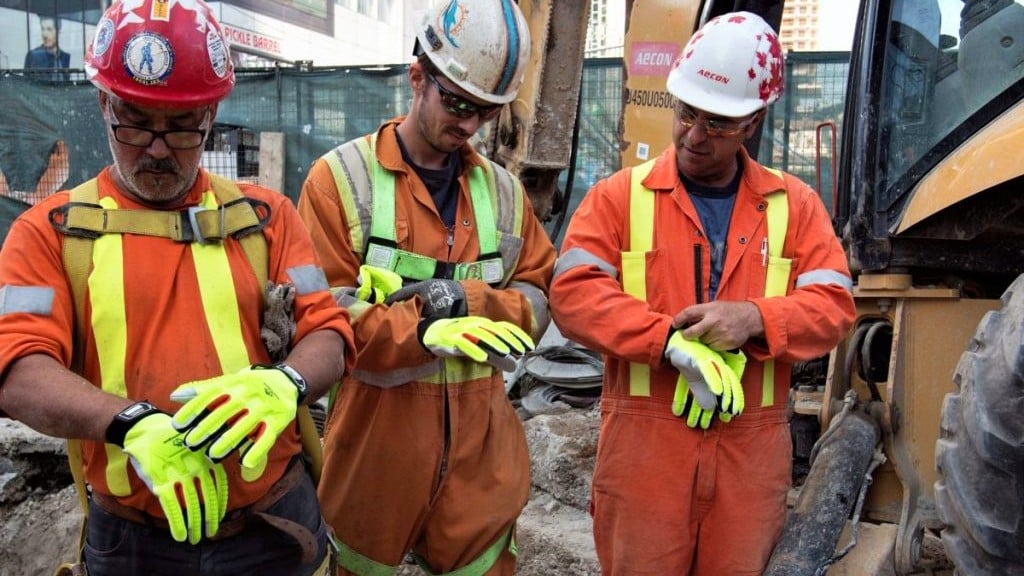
{"x":497,"y":343}
{"x":685,"y":405}
{"x":376,"y":284}
{"x":703,"y":375}
{"x":731,"y":401}
{"x":158,"y":453}
{"x":256,"y":403}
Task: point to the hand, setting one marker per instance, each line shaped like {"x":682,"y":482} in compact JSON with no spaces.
{"x":722,"y":324}
{"x":376,"y":284}
{"x":254,"y":404}
{"x":159,"y":456}
{"x":476,"y":337}
{"x":441,"y":298}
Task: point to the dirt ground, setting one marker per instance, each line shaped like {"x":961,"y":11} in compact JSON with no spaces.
{"x":40,"y":515}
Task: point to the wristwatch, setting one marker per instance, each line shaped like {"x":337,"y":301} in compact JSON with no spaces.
{"x":292,"y":375}
{"x":125,"y":419}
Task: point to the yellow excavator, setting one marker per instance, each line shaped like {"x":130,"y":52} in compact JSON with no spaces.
{"x":912,"y":429}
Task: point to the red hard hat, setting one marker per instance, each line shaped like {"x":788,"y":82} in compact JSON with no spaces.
{"x":161,"y":54}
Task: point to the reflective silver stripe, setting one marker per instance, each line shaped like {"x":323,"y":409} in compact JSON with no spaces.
{"x":359,"y":185}
{"x":824,"y":276}
{"x":28,"y":299}
{"x":507,"y":193}
{"x":308,"y":279}
{"x":345,"y":297}
{"x":577,"y":257}
{"x":393,"y":378}
{"x":538,"y":303}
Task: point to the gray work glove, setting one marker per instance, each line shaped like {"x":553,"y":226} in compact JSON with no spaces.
{"x":441,"y":298}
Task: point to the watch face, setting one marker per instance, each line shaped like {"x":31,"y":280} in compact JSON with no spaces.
{"x":136,"y":410}
{"x":295,"y":377}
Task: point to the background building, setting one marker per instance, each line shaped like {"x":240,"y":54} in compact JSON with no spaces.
{"x":261,"y":32}
{"x":799,"y":29}
{"x":607,"y":28}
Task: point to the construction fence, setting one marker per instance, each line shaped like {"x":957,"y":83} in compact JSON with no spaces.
{"x":52,"y":136}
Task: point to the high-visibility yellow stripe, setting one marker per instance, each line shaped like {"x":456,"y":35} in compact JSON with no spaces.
{"x":777,"y":274}
{"x":634,"y":262}
{"x":110,"y":330}
{"x":220,"y":300}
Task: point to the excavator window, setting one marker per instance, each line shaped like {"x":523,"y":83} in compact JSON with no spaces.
{"x":948,"y":67}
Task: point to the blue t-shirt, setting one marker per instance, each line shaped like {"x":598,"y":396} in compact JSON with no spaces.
{"x":714,"y":207}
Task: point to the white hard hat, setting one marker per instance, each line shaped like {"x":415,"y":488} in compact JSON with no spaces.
{"x":733,"y":66}
{"x":481,"y":45}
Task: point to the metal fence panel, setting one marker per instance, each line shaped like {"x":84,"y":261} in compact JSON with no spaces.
{"x":52,"y":135}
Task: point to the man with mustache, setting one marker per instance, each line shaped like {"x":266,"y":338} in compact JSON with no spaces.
{"x":131,"y":318}
{"x":423,"y":451}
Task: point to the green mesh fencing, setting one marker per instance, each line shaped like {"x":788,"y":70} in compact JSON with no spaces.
{"x":52,"y":136}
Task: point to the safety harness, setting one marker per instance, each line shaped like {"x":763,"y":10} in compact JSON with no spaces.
{"x":92,"y":229}
{"x":641,"y":239}
{"x":362,"y":182}
{"x":498,"y":209}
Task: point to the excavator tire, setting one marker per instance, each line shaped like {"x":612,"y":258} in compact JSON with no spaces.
{"x":980,"y":451}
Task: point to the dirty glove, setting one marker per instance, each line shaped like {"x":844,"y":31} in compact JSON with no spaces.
{"x":376,"y":284}
{"x":480,"y":339}
{"x":703,"y":375}
{"x":441,"y":298}
{"x":256,"y":403}
{"x":731,"y":401}
{"x":278,"y":319}
{"x":158,"y":453}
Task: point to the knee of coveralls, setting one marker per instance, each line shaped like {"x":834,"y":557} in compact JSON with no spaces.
{"x":658,"y":494}
{"x":487,"y":484}
{"x":118,"y":547}
{"x":382,"y":454}
{"x":641,"y":496}
{"x":742,"y":526}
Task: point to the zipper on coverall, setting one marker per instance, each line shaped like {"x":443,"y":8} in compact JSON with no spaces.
{"x":450,"y":240}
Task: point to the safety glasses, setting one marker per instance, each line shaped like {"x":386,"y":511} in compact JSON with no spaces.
{"x":714,"y":127}
{"x":461,"y":107}
{"x":177,"y":139}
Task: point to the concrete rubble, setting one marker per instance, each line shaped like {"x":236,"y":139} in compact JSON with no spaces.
{"x":40,"y":515}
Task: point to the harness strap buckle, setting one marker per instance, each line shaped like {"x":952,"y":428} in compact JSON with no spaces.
{"x":193,"y":232}
{"x":58,"y":218}
{"x":260,"y":208}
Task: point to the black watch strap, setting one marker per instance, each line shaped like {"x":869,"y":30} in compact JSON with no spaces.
{"x":125,"y":419}
{"x":293,"y":375}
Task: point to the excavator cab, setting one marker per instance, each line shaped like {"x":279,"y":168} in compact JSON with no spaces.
{"x":929,"y":210}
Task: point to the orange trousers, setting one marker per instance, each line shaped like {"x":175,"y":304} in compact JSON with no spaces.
{"x":403,"y":471}
{"x":668,"y":499}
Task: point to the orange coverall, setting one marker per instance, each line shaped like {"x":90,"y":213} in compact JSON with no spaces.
{"x":668,"y":499}
{"x":169,"y":342}
{"x":438,"y":468}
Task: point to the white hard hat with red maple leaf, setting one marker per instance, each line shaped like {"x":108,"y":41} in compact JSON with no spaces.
{"x":733,"y":66}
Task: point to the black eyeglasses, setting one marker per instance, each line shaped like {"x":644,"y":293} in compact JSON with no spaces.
{"x":714,"y":127}
{"x":461,"y":107}
{"x":177,"y":139}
